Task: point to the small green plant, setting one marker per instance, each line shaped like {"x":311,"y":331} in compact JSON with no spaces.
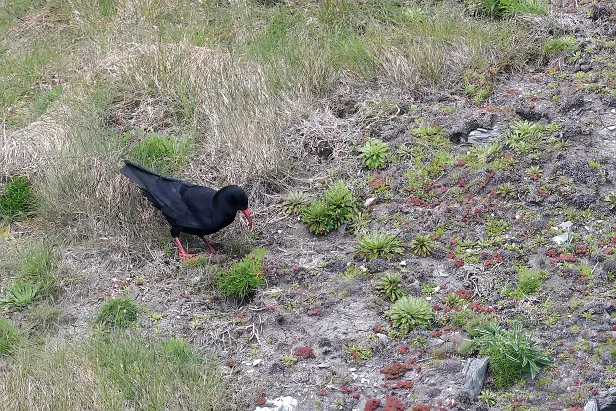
{"x":512,"y":353}
{"x":340,"y":201}
{"x":410,"y":312}
{"x":453,"y":300}
{"x":529,"y":280}
{"x":358,"y":221}
{"x":9,"y":336}
{"x":376,"y":245}
{"x":489,"y":397}
{"x":375,"y":154}
{"x":244,"y":277}
{"x":390,"y":285}
{"x":337,"y":206}
{"x":120,"y":312}
{"x":422,"y":246}
{"x":20,"y":294}
{"x":560,"y":44}
{"x":316,"y":216}
{"x":534,"y":172}
{"x":357,"y":352}
{"x":506,"y":190}
{"x":163,"y":154}
{"x":16,"y":199}
{"x":497,"y":227}
{"x":294,"y":201}
{"x":610,"y":199}
{"x":289,"y":360}
{"x":595,"y":165}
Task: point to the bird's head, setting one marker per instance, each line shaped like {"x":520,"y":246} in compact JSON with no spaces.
{"x":236,"y":198}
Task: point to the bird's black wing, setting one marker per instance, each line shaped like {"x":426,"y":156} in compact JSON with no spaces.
{"x":188,"y":204}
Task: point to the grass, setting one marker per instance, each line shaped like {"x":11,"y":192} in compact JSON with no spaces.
{"x":16,"y":199}
{"x":244,"y":277}
{"x":9,"y":336}
{"x":119,"y":312}
{"x":560,"y":44}
{"x":37,"y":264}
{"x":111,"y":372}
{"x":163,"y":154}
{"x":251,"y":74}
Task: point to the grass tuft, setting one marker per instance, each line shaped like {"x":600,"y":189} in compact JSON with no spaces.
{"x":244,"y":277}
{"x":9,"y":336}
{"x":16,"y":199}
{"x":163,"y":154}
{"x":120,"y":312}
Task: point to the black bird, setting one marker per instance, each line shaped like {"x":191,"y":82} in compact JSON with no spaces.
{"x":189,"y":208}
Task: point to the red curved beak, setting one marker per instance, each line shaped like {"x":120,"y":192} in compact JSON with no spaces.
{"x":247,"y":214}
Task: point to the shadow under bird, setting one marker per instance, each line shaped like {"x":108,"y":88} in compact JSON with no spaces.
{"x":188,"y":207}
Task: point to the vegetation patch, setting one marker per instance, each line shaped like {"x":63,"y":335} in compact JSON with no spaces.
{"x":119,"y":312}
{"x":9,"y":336}
{"x":163,"y":154}
{"x":407,"y":313}
{"x":377,"y":245}
{"x":512,"y":353}
{"x":16,"y":199}
{"x":244,"y":277}
{"x":338,"y":206}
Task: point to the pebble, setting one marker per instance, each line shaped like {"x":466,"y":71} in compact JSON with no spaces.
{"x":384,"y":339}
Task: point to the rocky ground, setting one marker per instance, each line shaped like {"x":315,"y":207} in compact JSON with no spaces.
{"x":318,"y":332}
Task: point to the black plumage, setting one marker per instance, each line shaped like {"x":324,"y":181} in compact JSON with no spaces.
{"x":188,"y":207}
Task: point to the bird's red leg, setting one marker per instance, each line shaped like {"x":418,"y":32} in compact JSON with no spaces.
{"x":208,"y":245}
{"x":183,"y":254}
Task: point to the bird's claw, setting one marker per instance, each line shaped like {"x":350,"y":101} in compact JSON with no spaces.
{"x":185,"y":256}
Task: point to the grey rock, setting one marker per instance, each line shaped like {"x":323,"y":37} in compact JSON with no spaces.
{"x":475,"y":376}
{"x":383,"y":338}
{"x":605,"y":402}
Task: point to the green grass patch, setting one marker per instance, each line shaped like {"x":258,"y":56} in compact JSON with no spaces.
{"x":243,"y":278}
{"x":560,"y":44}
{"x":163,"y":154}
{"x":503,"y":8}
{"x":9,"y":336}
{"x":16,"y":199}
{"x":119,"y":312}
{"x":37,"y":265}
{"x":20,"y":73}
{"x":115,"y":371}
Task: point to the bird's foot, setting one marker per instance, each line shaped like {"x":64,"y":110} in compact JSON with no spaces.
{"x":209,"y":246}
{"x":184,"y":255}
